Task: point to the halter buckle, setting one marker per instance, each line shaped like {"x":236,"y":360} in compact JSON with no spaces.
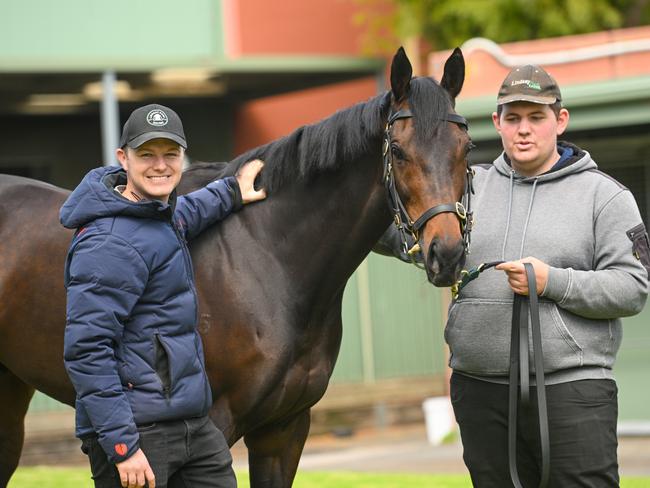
{"x":461,"y":211}
{"x":415,"y":249}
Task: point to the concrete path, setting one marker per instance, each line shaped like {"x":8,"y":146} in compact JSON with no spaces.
{"x":406,"y":450}
{"x":50,"y":440}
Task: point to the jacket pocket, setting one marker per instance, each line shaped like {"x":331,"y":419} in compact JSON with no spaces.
{"x":640,"y":245}
{"x":161,"y":364}
{"x":177,"y":360}
{"x":478,"y":334}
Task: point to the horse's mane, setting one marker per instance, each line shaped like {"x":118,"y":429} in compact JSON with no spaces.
{"x":344,"y":136}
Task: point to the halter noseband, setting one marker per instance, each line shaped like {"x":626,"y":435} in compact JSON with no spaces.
{"x":402,"y":220}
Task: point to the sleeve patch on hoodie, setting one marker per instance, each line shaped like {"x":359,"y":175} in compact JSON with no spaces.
{"x":640,"y":245}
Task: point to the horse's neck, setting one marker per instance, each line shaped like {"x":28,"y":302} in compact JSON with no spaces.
{"x":330,"y":225}
{"x":315,"y":232}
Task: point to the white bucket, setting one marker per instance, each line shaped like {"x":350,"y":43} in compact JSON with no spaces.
{"x":439,"y":418}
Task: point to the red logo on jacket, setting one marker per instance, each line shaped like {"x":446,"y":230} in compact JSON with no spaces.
{"x":121,"y":449}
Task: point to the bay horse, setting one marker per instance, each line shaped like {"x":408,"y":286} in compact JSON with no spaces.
{"x":270,"y":278}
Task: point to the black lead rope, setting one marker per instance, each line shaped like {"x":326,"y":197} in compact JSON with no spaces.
{"x":519,"y":369}
{"x":470,"y":275}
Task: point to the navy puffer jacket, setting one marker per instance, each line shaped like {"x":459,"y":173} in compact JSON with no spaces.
{"x":131,"y":345}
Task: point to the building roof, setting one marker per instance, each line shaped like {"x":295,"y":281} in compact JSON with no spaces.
{"x":193,"y":49}
{"x":604,"y":76}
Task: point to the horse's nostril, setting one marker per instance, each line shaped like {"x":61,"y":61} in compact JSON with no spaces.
{"x":434,"y":264}
{"x":445,"y":259}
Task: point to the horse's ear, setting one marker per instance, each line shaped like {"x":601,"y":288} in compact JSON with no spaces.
{"x":454,"y":76}
{"x":400,"y":75}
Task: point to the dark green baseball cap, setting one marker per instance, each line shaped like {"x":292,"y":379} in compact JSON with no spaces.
{"x":529,"y":83}
{"x":152,"y":122}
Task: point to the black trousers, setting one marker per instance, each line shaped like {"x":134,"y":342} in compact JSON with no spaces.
{"x":582,"y":429}
{"x":182,"y":454}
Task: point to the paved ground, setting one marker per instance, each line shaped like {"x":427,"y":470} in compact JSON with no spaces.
{"x":50,"y":440}
{"x":406,"y":450}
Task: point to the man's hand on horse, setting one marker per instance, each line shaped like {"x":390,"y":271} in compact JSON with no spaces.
{"x":517,"y":274}
{"x":135,"y":471}
{"x":246,"y":179}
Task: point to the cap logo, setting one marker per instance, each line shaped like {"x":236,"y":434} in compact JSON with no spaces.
{"x":531,"y":84}
{"x":157,"y":118}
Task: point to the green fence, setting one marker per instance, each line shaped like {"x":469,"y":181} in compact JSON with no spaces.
{"x":43,"y":403}
{"x":392,"y":324}
{"x":632,"y":368}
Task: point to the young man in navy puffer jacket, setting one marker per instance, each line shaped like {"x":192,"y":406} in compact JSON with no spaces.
{"x":131,"y":346}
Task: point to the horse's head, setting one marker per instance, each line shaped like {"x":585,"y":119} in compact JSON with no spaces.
{"x":425,"y":164}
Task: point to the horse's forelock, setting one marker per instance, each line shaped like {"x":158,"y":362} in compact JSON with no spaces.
{"x":430,"y":104}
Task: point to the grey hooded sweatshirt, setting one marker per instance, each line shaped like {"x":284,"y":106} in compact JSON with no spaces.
{"x":587,"y":228}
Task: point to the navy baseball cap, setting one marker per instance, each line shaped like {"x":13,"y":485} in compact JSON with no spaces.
{"x":152,"y":122}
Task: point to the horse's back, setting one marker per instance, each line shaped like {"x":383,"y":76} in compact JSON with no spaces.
{"x":9,"y":182}
{"x":18,"y":193}
{"x":26,"y":204}
{"x":201,"y":173}
{"x":29,"y":222}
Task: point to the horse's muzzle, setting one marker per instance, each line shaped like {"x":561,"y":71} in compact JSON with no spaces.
{"x":444,"y":262}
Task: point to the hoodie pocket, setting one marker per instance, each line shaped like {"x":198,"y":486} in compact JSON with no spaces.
{"x":478,"y":334}
{"x":561,"y":349}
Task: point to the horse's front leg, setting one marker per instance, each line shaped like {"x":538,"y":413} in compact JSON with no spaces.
{"x":15,"y":396}
{"x":274,"y":452}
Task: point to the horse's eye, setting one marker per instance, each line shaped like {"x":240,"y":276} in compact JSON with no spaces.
{"x":397,"y":152}
{"x":469,"y":147}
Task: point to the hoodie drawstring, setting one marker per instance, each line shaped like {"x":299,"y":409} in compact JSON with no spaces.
{"x":505,"y":237}
{"x":530,"y":209}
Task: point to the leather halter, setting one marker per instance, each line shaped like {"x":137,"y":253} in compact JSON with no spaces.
{"x":402,"y":220}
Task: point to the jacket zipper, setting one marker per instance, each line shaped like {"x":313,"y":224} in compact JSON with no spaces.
{"x":189,"y":270}
{"x":190,"y":282}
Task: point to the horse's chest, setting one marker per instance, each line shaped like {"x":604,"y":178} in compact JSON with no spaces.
{"x":305,"y":377}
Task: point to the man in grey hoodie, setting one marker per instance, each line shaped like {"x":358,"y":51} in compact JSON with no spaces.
{"x":546,"y":203}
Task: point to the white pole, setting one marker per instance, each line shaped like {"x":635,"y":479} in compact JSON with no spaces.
{"x":365,"y":321}
{"x":110,"y":118}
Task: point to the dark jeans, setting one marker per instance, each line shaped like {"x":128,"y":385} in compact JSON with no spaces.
{"x":582,"y":424}
{"x":182,"y":454}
